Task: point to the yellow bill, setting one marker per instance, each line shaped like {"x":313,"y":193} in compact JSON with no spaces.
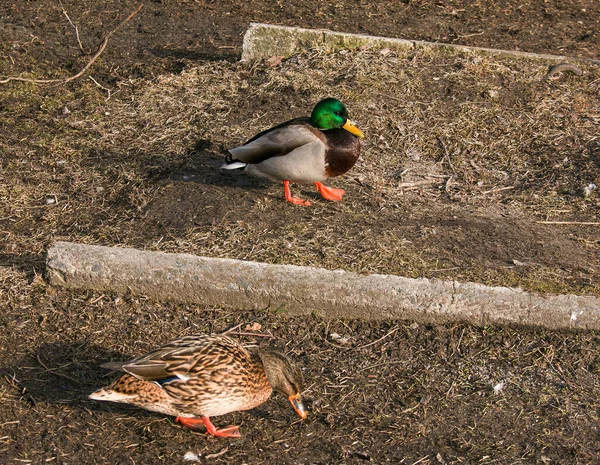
{"x":351,"y":128}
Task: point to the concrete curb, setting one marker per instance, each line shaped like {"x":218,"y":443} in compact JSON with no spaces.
{"x":298,"y":290}
{"x":268,"y":40}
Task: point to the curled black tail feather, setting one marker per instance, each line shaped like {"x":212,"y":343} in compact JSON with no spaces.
{"x":229,"y":158}
{"x":232,"y":163}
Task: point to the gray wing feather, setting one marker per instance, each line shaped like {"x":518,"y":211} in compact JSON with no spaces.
{"x":278,"y":142}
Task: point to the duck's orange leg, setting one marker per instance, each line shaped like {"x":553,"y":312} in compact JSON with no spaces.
{"x":330,"y":193}
{"x":194,"y":423}
{"x":287,"y":195}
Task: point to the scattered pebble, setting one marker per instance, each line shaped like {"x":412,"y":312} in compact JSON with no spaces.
{"x":493,"y":93}
{"x":587,"y":190}
{"x":413,"y":154}
{"x":341,"y":339}
{"x":498,"y":388}
{"x":50,"y":200}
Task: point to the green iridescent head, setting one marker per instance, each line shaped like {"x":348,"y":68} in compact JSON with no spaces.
{"x":332,"y":114}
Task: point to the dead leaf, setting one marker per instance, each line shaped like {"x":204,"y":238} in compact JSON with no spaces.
{"x":273,"y":61}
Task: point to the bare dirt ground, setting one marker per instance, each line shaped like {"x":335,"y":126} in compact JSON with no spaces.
{"x":464,"y":157}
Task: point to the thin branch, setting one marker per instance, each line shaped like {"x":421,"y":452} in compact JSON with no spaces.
{"x":499,"y":189}
{"x":580,"y":223}
{"x":249,"y":333}
{"x":389,"y":333}
{"x":103,"y":45}
{"x":424,"y":182}
{"x":75,"y":26}
{"x":102,"y":87}
{"x":218,"y":454}
{"x":446,"y":154}
{"x":232,"y":329}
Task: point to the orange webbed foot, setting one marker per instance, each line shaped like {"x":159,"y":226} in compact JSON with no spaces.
{"x":330,"y":193}
{"x":195,"y":423}
{"x":287,"y":195}
{"x":227,"y":432}
{"x":191,"y":423}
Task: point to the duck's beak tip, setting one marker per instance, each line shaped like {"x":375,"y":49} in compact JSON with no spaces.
{"x":298,"y":406}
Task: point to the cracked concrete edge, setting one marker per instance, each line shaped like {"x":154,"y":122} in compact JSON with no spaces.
{"x":268,"y":40}
{"x":297,"y":290}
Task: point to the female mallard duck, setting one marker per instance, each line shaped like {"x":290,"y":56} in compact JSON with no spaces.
{"x":303,"y":150}
{"x":198,"y":377}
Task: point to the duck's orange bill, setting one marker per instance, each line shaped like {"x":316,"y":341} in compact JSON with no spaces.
{"x":351,"y":128}
{"x":298,"y":406}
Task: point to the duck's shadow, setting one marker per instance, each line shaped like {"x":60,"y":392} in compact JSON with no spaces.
{"x":60,"y":373}
{"x":203,"y":165}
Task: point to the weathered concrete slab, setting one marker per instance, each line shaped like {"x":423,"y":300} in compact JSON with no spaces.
{"x":268,"y":40}
{"x":303,"y":290}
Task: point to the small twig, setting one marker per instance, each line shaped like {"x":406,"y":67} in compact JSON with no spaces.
{"x":248,"y":333}
{"x":389,"y":333}
{"x":580,"y":223}
{"x":57,"y":373}
{"x":424,"y":182}
{"x":387,"y":363}
{"x":75,"y":26}
{"x":448,"y":185}
{"x":400,"y":173}
{"x":446,"y":154}
{"x":103,"y":88}
{"x":218,"y":454}
{"x":101,"y":48}
{"x":499,"y":189}
{"x":231,"y":329}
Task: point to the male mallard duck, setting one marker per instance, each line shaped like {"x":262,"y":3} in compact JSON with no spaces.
{"x":197,"y":377}
{"x":303,"y":150}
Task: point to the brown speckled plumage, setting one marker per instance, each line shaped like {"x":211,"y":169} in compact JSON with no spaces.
{"x":202,"y":376}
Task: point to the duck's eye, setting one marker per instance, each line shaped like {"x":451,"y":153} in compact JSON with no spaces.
{"x":339,"y":113}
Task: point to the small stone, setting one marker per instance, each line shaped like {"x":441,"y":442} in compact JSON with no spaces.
{"x":413,"y":154}
{"x":50,"y":200}
{"x":587,"y":190}
{"x":493,"y":93}
{"x":498,"y":388}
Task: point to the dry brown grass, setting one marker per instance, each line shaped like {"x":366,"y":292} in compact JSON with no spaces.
{"x":381,"y":392}
{"x":464,"y":153}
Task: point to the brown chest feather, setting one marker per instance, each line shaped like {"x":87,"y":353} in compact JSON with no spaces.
{"x":343,"y":150}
